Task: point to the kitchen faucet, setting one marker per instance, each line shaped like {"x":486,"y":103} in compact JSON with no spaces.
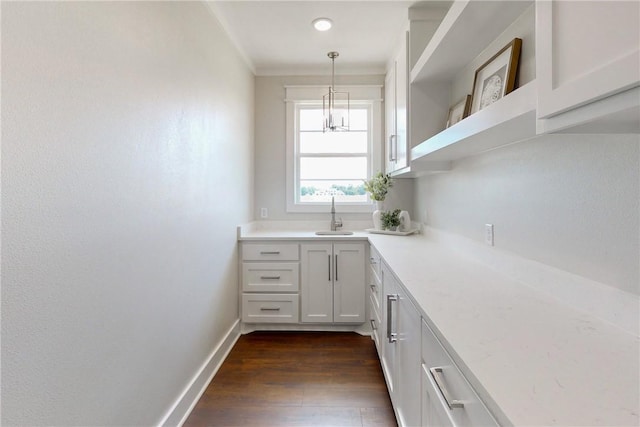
{"x":334,"y":224}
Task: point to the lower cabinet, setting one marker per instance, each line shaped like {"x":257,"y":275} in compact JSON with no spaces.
{"x":332,"y":283}
{"x":270,"y":282}
{"x":401,"y":350}
{"x":375,"y":299}
{"x":425,"y":385}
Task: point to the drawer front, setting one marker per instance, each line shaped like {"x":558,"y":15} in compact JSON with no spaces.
{"x":270,"y":277}
{"x":374,"y":262}
{"x":375,"y":290}
{"x":451,"y":385}
{"x":270,"y":308}
{"x":270,"y":252}
{"x":376,"y":324}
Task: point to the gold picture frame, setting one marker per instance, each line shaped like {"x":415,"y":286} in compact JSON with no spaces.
{"x":496,"y":77}
{"x":459,"y":111}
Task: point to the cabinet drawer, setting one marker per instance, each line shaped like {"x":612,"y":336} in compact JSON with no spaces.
{"x":374,"y":262}
{"x":457,"y":398}
{"x":270,"y":277}
{"x":376,"y":324}
{"x":270,"y":252}
{"x":375,"y":290}
{"x":270,"y":308}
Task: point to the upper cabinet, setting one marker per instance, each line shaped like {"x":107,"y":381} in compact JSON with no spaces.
{"x":588,"y":66}
{"x":396,"y":101}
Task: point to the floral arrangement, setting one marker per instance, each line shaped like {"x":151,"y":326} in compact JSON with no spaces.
{"x":378,"y":186}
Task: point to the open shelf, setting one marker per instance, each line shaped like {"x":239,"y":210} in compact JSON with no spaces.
{"x":511,"y":119}
{"x":467,"y":29}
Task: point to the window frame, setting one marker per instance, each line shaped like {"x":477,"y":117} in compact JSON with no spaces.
{"x":300,"y":97}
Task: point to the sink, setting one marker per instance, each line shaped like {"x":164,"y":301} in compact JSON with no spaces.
{"x":334,"y":233}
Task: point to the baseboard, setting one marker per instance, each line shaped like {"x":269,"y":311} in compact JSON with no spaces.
{"x":361,"y":329}
{"x":187,"y":400}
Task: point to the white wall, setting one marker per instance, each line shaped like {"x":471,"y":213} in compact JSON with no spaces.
{"x":270,"y":166}
{"x":127,"y":147}
{"x":569,"y":201}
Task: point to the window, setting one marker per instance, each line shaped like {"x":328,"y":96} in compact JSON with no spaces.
{"x":332,"y":164}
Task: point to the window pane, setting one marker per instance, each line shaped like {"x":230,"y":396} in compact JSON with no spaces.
{"x":333,"y":168}
{"x":358,"y":119}
{"x":321,"y":191}
{"x":311,"y":119}
{"x":333,"y":142}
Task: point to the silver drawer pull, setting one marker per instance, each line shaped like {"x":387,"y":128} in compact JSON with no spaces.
{"x":372,"y":260}
{"x":373,"y":325}
{"x":269,"y":252}
{"x":437,"y":375}
{"x":270,"y":277}
{"x":269,"y":308}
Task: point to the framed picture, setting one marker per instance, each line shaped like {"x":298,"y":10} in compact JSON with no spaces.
{"x":459,"y":111}
{"x":496,"y":77}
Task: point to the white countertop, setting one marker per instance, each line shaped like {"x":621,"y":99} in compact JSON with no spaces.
{"x":533,"y":358}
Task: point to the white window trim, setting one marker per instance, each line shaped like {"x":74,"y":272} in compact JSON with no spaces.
{"x":359,"y":94}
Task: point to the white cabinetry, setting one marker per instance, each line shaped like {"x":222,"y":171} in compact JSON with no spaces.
{"x":375,"y":297}
{"x":270,"y":282}
{"x":588,"y":61}
{"x":401,"y":353}
{"x":396,"y":90}
{"x":447,"y":398}
{"x":333,"y":283}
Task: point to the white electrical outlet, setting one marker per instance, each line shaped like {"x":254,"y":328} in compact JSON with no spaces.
{"x":488,"y":234}
{"x":264,"y":213}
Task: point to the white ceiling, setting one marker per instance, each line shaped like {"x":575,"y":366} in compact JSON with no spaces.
{"x":277,"y":37}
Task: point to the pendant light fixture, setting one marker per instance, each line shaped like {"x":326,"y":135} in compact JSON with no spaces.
{"x":335,"y":105}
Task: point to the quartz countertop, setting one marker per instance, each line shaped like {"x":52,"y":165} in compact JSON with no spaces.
{"x":533,"y":358}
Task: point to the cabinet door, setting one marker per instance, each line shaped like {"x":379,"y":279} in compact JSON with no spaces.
{"x":349,"y":293}
{"x":390,"y":117}
{"x":409,"y":361}
{"x":585,"y":51}
{"x":396,"y":101}
{"x":402,"y":91}
{"x":389,"y":330}
{"x":316,"y":283}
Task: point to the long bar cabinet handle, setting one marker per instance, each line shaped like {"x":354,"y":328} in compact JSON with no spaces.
{"x":437,"y":375}
{"x":391,"y":336}
{"x":270,"y":277}
{"x":269,"y":308}
{"x":269,"y":252}
{"x":329,"y":264}
{"x":336,"y":267}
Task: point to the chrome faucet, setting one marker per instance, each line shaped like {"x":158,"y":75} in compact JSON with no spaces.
{"x":334,"y":224}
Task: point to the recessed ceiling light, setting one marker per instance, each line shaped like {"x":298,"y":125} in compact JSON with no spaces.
{"x":322,"y":24}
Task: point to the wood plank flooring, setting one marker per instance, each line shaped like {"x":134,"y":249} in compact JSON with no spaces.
{"x":297,"y":379}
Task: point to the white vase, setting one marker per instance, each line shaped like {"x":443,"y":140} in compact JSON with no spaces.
{"x":377,"y":216}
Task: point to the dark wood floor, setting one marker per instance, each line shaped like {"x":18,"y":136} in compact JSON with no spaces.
{"x":297,"y":379}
